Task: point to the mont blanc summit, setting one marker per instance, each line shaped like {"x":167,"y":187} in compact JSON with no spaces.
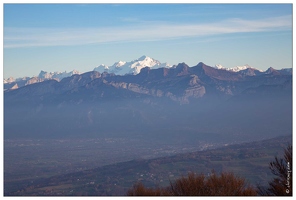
{"x":133,"y":67}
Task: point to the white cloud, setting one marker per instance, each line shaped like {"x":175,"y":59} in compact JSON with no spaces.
{"x":36,"y":37}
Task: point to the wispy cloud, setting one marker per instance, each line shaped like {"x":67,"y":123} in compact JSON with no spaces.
{"x":37,"y":37}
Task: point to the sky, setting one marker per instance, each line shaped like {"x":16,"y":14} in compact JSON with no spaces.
{"x":64,"y":37}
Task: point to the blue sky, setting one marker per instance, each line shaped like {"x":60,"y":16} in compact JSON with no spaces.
{"x":63,"y":37}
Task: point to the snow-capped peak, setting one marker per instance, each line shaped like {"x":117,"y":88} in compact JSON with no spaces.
{"x":101,"y":68}
{"x":118,"y":64}
{"x":236,"y":68}
{"x":9,"y":80}
{"x":132,"y":67}
{"x":239,"y":68}
{"x":219,"y":67}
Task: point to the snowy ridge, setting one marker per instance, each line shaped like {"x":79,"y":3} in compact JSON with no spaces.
{"x":9,"y":80}
{"x":44,"y":76}
{"x":56,"y":75}
{"x":132,"y":67}
{"x":236,"y":69}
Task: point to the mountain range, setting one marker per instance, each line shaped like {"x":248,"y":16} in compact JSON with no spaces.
{"x":211,"y":104}
{"x":12,"y":83}
{"x":122,"y":68}
{"x":118,"y":68}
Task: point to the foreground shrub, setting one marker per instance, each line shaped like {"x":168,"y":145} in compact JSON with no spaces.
{"x":198,"y":185}
{"x":281,"y":185}
{"x":140,"y":190}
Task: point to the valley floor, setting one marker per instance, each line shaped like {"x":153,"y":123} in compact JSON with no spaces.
{"x":110,"y":166}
